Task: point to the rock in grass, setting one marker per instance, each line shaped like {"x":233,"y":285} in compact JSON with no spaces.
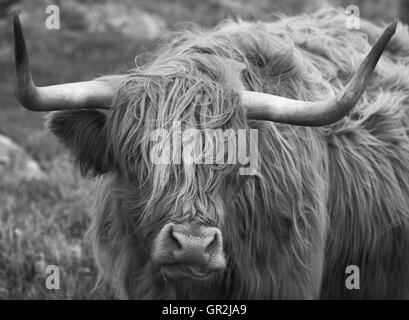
{"x":16,"y":163}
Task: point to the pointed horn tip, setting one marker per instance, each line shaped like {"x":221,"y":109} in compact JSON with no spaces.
{"x":20,"y":51}
{"x":16,"y":20}
{"x":391,"y":29}
{"x":17,"y":28}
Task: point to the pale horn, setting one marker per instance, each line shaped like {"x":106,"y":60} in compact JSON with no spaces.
{"x":269,"y":107}
{"x":95,"y":94}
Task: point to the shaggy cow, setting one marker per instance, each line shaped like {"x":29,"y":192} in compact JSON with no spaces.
{"x":332,"y":184}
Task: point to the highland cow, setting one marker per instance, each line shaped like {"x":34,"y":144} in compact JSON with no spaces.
{"x":332,"y":184}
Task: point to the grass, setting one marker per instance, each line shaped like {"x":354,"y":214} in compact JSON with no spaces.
{"x":43,"y":223}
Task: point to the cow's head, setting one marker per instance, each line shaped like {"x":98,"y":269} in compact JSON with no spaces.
{"x":174,"y":213}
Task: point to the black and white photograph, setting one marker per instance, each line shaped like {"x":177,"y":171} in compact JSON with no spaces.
{"x":223,"y":150}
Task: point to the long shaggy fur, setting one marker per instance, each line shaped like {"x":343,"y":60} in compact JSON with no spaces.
{"x":322,"y":199}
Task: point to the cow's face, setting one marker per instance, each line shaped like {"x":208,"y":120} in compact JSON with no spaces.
{"x":171,"y":155}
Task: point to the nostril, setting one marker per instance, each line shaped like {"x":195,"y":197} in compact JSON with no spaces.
{"x":173,"y":240}
{"x":214,"y":244}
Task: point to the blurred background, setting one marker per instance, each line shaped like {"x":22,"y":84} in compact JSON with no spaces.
{"x":44,"y":202}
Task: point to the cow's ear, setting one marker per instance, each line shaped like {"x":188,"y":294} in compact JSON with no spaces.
{"x":83,"y":132}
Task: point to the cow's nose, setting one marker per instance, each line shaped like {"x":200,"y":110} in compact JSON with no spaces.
{"x":195,"y":246}
{"x":191,"y":246}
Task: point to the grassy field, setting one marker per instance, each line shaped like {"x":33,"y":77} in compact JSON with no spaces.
{"x":44,"y":222}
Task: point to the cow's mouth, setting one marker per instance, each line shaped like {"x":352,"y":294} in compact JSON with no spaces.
{"x":187,"y":271}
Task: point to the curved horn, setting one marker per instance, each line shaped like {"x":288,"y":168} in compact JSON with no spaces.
{"x":263,"y":106}
{"x":96,"y":94}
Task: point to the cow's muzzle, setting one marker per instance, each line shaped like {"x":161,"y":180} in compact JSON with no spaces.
{"x":189,"y":251}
